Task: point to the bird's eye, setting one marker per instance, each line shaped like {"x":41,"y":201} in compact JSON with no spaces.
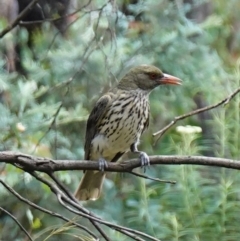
{"x":153,"y":76}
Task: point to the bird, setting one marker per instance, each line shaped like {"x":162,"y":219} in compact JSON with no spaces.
{"x":117,"y":122}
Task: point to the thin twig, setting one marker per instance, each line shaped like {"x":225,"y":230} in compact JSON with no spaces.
{"x":18,"y":223}
{"x":19,"y":17}
{"x":50,"y":126}
{"x":17,"y":195}
{"x":24,"y":23}
{"x":152,"y":178}
{"x":66,"y":83}
{"x":85,"y":213}
{"x":69,"y":196}
{"x":68,"y":25}
{"x":127,"y":231}
{"x":225,"y":101}
{"x":124,"y":230}
{"x":61,"y":186}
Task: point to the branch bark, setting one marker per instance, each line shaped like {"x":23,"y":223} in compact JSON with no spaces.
{"x":32,"y":163}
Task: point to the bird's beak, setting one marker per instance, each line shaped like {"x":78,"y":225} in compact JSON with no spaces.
{"x":170,"y":80}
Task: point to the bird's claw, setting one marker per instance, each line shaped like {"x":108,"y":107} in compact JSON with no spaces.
{"x":102,"y":164}
{"x":144,"y":159}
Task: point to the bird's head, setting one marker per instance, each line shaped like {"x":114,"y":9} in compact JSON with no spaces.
{"x":146,"y":78}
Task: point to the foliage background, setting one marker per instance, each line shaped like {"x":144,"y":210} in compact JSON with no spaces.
{"x":44,"y":113}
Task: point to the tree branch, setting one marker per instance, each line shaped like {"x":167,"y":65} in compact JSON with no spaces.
{"x":70,"y":195}
{"x":76,"y":208}
{"x":225,"y":101}
{"x":55,"y":19}
{"x":19,"y":17}
{"x":18,"y":223}
{"x":44,"y":210}
{"x":152,"y":178}
{"x":32,"y":163}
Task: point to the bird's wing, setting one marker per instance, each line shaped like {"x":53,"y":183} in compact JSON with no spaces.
{"x":95,"y":117}
{"x":146,"y":124}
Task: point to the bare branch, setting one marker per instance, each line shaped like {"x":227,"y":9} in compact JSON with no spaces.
{"x":32,"y":163}
{"x":24,"y":23}
{"x":152,"y":178}
{"x":71,"y":23}
{"x":11,"y":190}
{"x":18,"y":223}
{"x":66,"y":191}
{"x":19,"y":17}
{"x":80,"y":210}
{"x":225,"y":101}
{"x":55,"y":115}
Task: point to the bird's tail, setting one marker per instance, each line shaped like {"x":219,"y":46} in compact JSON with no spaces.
{"x":90,"y":186}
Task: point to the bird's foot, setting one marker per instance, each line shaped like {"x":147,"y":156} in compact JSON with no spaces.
{"x":102,"y":164}
{"x":144,"y":159}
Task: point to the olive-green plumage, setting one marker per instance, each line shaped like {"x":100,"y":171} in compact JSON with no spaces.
{"x":116,"y":123}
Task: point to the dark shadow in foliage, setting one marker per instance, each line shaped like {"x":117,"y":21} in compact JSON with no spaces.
{"x":43,"y":10}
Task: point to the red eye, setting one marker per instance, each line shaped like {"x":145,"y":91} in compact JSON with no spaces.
{"x":153,"y":76}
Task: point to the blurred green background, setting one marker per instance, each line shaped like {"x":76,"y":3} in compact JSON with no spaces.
{"x":46,"y":98}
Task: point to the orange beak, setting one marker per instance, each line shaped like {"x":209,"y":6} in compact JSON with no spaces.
{"x":170,"y":80}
